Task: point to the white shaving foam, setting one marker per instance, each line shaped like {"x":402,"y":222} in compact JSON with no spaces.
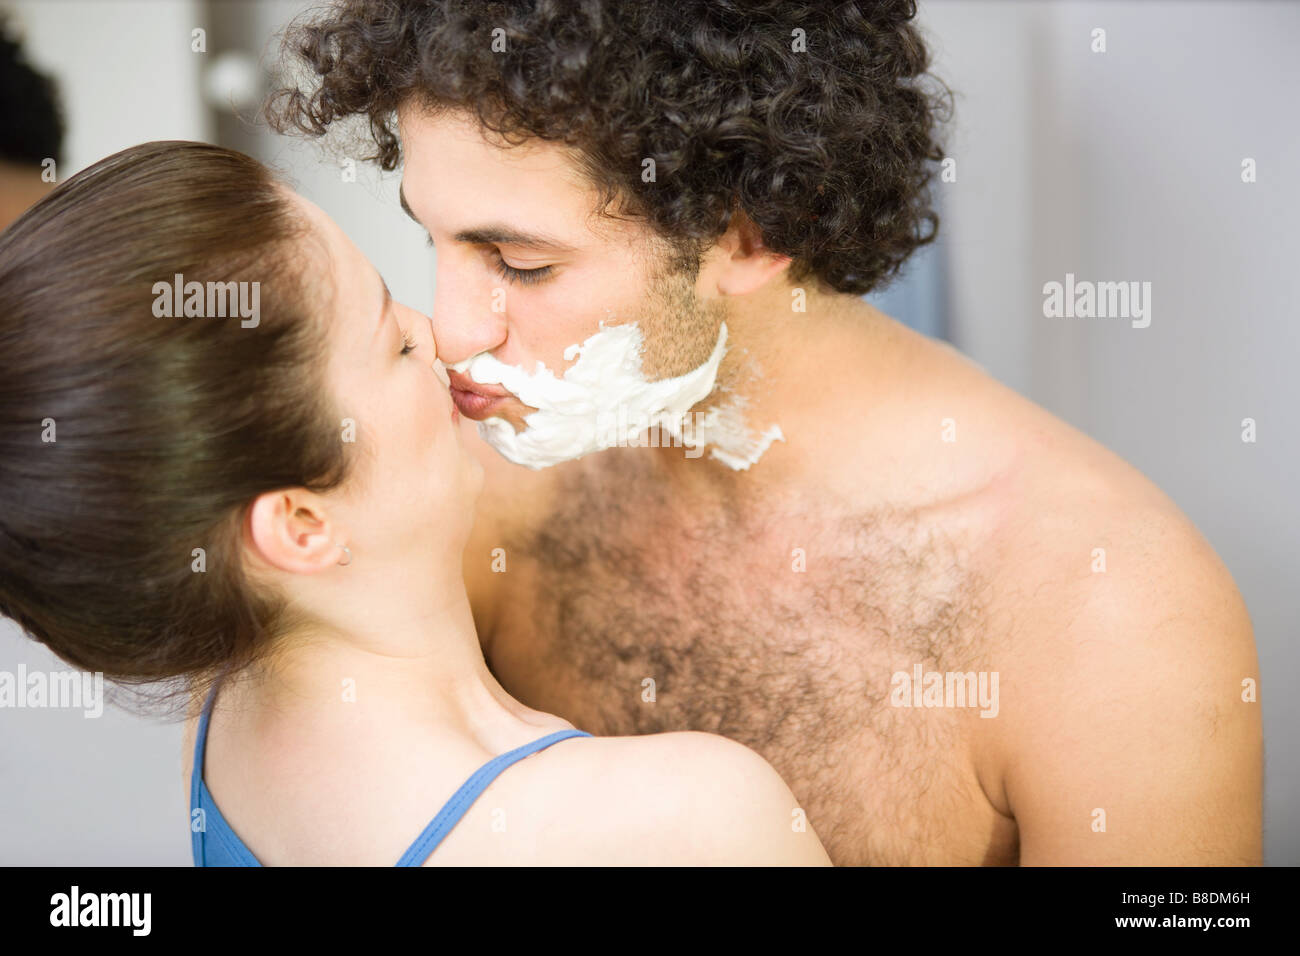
{"x":606,"y":376}
{"x":604,"y":401}
{"x":732,"y":442}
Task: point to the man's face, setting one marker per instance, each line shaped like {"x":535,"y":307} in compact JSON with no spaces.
{"x":526,"y":267}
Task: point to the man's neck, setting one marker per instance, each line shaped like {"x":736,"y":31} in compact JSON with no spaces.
{"x":773,"y":384}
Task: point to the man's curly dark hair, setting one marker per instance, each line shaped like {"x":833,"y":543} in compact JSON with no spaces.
{"x":828,"y":149}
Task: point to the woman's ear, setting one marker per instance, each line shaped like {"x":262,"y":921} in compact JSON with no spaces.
{"x":741,"y":262}
{"x":291,"y":530}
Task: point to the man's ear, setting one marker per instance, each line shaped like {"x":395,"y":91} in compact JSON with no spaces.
{"x":291,"y":530}
{"x":739,"y":262}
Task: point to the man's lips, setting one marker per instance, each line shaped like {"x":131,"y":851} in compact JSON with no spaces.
{"x":463,"y":383}
{"x":474,"y":400}
{"x":477,"y":407}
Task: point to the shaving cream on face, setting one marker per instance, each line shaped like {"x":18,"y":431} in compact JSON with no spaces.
{"x":575,"y":413}
{"x":604,"y":401}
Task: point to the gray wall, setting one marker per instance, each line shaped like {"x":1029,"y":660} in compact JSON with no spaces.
{"x":1115,"y":166}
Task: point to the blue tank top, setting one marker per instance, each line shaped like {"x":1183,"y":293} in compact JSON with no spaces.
{"x":215,"y":844}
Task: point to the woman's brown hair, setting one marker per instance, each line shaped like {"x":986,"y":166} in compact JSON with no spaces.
{"x":130,"y":441}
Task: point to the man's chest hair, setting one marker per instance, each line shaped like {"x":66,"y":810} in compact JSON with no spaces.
{"x":769,"y":621}
{"x":777,"y":624}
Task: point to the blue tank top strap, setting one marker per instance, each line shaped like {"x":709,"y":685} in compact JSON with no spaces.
{"x":197,"y":827}
{"x":200,"y":744}
{"x":470,"y":791}
{"x":212,"y":840}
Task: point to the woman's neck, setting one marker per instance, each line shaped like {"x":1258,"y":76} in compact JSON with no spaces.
{"x":396,"y":643}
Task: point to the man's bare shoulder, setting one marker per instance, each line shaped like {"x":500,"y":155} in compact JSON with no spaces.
{"x":1094,"y":540}
{"x":1070,"y":514}
{"x":1127,"y":730}
{"x":1131,"y":711}
{"x":1127,"y":675}
{"x":1099,"y":548}
{"x":1085,"y":545}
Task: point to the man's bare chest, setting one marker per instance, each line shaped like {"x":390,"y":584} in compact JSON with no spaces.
{"x":784,"y":630}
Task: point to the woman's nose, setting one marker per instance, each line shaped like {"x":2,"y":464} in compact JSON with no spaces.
{"x":426,"y":324}
{"x":438,"y":368}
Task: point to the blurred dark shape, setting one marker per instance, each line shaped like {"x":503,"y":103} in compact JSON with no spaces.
{"x":31,"y":129}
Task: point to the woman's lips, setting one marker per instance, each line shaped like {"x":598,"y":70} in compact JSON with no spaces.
{"x":474,"y":400}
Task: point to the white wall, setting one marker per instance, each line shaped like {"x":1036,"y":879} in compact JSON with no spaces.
{"x":1127,"y":166}
{"x":125,"y":70}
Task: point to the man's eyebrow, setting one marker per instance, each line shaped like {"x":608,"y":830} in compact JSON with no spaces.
{"x":497,"y":235}
{"x":505,"y":236}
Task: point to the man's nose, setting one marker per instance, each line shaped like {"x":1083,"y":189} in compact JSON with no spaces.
{"x":463,"y":321}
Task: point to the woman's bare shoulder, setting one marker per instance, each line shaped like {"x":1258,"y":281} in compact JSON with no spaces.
{"x":661,"y":799}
